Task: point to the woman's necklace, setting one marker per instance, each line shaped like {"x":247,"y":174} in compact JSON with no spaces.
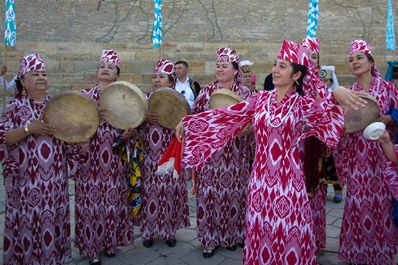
{"x":268,"y":116}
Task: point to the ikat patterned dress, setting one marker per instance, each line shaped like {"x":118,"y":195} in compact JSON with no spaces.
{"x":164,"y":198}
{"x":368,"y":235}
{"x":102,"y":210}
{"x":279,"y":227}
{"x":222,"y":183}
{"x":37,"y":215}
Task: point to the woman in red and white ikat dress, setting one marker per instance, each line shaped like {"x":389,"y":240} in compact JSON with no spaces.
{"x":222,"y":181}
{"x":164,"y":198}
{"x":37,"y":215}
{"x":279,"y":226}
{"x":101,"y":206}
{"x":368,"y":235}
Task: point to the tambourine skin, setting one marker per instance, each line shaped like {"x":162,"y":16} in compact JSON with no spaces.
{"x":74,"y":116}
{"x":357,"y":120}
{"x":169,"y":105}
{"x":223,"y":97}
{"x":125,"y":105}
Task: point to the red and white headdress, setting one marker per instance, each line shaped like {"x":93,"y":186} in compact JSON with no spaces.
{"x":164,"y":66}
{"x":110,"y":56}
{"x":311,"y":44}
{"x":31,"y":62}
{"x":292,"y":52}
{"x":359,"y":46}
{"x":227,"y":55}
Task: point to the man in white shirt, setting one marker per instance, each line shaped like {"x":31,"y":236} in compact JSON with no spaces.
{"x":11,"y":83}
{"x":187,"y":87}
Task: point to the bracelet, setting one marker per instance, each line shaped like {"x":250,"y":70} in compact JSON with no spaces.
{"x":26,"y":129}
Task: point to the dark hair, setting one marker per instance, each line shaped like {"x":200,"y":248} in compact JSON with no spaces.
{"x":370,"y":58}
{"x":171,"y":79}
{"x":182,"y":62}
{"x":303,"y":70}
{"x":19,"y":86}
{"x":235,"y":65}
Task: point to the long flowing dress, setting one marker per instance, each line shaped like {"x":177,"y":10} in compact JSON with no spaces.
{"x":222,"y":183}
{"x":101,"y":193}
{"x":279,"y":227}
{"x":368,"y":235}
{"x":37,"y":214}
{"x":164,"y":198}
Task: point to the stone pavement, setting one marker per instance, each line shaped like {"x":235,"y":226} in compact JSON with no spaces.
{"x":187,"y":251}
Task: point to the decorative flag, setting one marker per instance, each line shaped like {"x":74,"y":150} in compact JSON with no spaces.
{"x":390,"y":35}
{"x":157,"y":24}
{"x":313,"y":14}
{"x":10,"y":32}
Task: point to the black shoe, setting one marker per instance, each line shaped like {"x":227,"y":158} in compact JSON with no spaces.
{"x":95,"y":261}
{"x":241,"y":245}
{"x":110,"y":255}
{"x":148,"y":243}
{"x":232,"y":248}
{"x":208,"y":252}
{"x":171,"y":242}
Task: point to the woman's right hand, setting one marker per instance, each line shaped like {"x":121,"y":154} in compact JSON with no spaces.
{"x":38,"y":127}
{"x":179,"y":131}
{"x":152,"y":118}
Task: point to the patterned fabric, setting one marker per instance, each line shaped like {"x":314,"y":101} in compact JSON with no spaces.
{"x":110,"y":56}
{"x":227,"y":55}
{"x":279,"y":221}
{"x":313,"y":15}
{"x":318,"y":208}
{"x":311,"y":44}
{"x":37,"y":215}
{"x":292,"y":52}
{"x":102,"y":210}
{"x":10,"y":26}
{"x":368,"y":234}
{"x":157,"y":24}
{"x":164,"y":198}
{"x":390,"y":33}
{"x":164,"y":66}
{"x":222,"y":183}
{"x":359,"y":46}
{"x":30,"y":63}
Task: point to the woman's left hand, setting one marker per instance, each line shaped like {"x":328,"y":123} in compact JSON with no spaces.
{"x":128,"y":134}
{"x":348,"y":98}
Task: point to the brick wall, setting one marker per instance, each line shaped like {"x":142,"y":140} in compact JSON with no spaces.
{"x":71,"y":34}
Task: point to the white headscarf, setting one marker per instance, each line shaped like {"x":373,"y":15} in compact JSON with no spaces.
{"x":334,"y":77}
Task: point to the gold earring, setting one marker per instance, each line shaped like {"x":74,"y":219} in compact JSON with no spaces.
{"x":23,"y":92}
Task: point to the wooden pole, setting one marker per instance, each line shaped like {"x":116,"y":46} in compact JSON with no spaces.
{"x":4,"y":77}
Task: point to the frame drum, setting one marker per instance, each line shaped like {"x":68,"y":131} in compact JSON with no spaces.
{"x":223,"y":97}
{"x":357,"y":120}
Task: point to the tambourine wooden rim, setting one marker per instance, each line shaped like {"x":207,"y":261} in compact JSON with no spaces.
{"x":223,"y":97}
{"x":357,"y":120}
{"x":125,"y":105}
{"x":74,"y":116}
{"x":169,"y":105}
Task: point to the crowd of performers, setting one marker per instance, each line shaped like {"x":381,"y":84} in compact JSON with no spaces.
{"x":259,"y":166}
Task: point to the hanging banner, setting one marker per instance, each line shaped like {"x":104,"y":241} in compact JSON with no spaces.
{"x":10,"y":32}
{"x":390,"y":34}
{"x":313,"y":14}
{"x":157,"y":24}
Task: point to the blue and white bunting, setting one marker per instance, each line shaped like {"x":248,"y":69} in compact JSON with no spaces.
{"x":390,"y":34}
{"x":10,"y":32}
{"x":157,"y":24}
{"x":313,"y":14}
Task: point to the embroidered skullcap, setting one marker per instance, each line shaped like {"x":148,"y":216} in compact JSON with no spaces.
{"x":246,"y":66}
{"x":292,"y":52}
{"x":311,"y":44}
{"x":227,"y":55}
{"x":31,"y":62}
{"x":359,"y":46}
{"x":110,"y":56}
{"x":164,"y":66}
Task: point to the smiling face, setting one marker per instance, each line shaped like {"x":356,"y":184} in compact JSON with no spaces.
{"x":35,"y":82}
{"x":225,"y":72}
{"x":282,"y":74}
{"x":107,"y":72}
{"x":359,"y":64}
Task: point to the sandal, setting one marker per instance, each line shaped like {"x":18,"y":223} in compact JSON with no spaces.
{"x":171,"y":242}
{"x":94,"y":261}
{"x":232,"y":248}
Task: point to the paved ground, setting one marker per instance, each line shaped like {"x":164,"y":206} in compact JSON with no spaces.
{"x":187,"y":251}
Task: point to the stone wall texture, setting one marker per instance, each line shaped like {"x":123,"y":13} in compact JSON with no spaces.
{"x":71,"y":34}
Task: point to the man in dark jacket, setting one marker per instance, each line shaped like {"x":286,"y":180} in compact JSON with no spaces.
{"x":186,"y":86}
